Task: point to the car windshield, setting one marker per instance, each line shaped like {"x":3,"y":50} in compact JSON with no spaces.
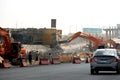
{"x":105,"y":52}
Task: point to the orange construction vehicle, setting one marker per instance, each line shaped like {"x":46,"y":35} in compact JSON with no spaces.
{"x":9,"y":50}
{"x":97,"y":43}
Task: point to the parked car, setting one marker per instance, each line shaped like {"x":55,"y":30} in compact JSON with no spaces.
{"x":105,"y":60}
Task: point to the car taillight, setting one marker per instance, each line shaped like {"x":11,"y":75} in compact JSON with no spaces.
{"x":116,"y":59}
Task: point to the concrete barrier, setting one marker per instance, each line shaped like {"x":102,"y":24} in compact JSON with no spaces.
{"x":5,"y":64}
{"x":55,"y":60}
{"x":44,"y":61}
{"x":87,"y":60}
{"x":23,"y":63}
{"x":76,"y":60}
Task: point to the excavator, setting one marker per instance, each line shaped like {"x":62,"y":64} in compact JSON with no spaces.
{"x":97,"y":43}
{"x":9,"y":49}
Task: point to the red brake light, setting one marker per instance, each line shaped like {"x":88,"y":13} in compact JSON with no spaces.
{"x":116,"y":59}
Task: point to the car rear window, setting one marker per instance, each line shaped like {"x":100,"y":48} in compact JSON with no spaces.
{"x":105,"y":52}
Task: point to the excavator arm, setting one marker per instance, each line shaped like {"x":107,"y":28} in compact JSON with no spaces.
{"x":5,"y":45}
{"x":96,"y":42}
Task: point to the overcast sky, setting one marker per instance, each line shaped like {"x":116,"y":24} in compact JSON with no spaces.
{"x":71,"y":15}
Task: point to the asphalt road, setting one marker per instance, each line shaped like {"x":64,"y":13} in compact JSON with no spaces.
{"x":67,"y":71}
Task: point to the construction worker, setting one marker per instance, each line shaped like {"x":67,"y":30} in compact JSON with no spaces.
{"x":30,"y":57}
{"x":36,"y":55}
{"x":20,"y":57}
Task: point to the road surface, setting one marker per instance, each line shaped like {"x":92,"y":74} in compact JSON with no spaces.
{"x":67,"y":71}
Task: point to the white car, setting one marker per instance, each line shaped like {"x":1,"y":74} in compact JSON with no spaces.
{"x":105,"y":60}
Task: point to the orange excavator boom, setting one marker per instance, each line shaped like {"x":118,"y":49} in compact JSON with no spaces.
{"x":96,"y":42}
{"x":86,"y":36}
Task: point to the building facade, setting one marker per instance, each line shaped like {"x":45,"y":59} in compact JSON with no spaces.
{"x":42,"y":36}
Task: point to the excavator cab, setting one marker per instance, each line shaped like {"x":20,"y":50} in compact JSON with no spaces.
{"x":15,"y":49}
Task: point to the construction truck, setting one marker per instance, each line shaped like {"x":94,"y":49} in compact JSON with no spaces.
{"x":10,"y":49}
